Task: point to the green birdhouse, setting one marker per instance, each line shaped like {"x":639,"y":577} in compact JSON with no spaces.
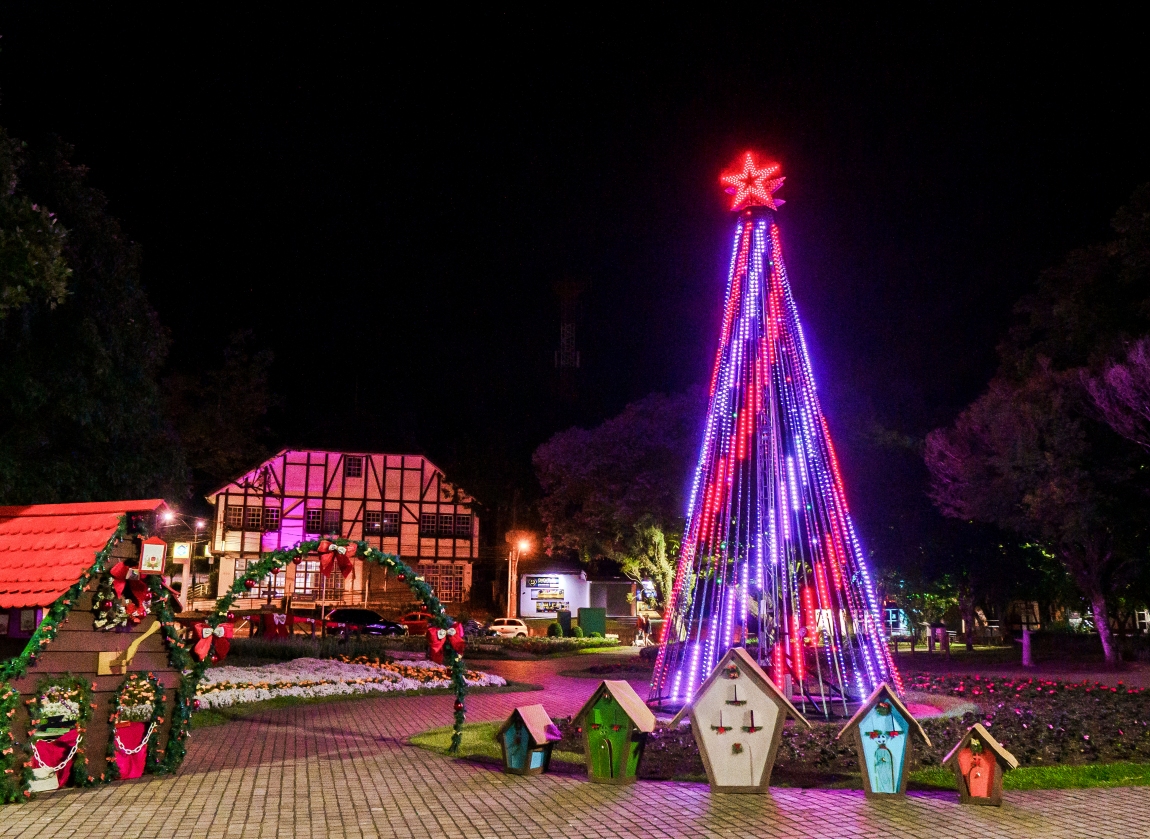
{"x":526,"y":740}
{"x":615,"y":724}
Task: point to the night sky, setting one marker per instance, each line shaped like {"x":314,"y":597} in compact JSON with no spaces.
{"x":388,"y":202}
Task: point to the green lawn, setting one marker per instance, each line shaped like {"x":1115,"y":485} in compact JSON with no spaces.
{"x":1050,"y":777}
{"x":478,"y":741}
{"x":207,"y":717}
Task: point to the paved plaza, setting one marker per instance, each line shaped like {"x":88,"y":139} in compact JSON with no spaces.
{"x":343,"y":770}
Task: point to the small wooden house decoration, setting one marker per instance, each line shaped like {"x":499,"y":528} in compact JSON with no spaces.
{"x":526,"y":740}
{"x":106,"y":674}
{"x":979,"y":762}
{"x":884,"y":732}
{"x":615,"y":724}
{"x":737,"y":718}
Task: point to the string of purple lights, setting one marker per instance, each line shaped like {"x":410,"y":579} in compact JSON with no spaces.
{"x":770,"y":559}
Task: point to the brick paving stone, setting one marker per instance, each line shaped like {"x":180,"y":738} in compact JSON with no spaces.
{"x":344,"y":770}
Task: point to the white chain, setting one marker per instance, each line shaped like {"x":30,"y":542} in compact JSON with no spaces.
{"x":120,"y":745}
{"x":71,"y":754}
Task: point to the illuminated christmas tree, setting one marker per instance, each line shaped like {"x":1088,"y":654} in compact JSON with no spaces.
{"x":769,"y":559}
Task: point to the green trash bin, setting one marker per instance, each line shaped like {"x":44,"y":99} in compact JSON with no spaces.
{"x":593,"y":619}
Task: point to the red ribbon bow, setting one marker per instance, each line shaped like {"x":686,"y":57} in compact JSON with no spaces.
{"x":330,"y":553}
{"x":213,"y":640}
{"x":137,"y":588}
{"x":437,"y":637}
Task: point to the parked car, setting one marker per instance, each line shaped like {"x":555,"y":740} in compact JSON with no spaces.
{"x":508,"y":628}
{"x":363,"y":622}
{"x":416,"y":622}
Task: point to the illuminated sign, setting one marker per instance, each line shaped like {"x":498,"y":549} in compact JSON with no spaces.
{"x":552,"y":606}
{"x":547,"y":594}
{"x":545,"y":581}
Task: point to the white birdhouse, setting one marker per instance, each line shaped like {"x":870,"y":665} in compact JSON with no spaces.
{"x":737,"y":718}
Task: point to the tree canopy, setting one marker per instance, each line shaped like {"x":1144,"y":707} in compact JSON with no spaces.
{"x":81,"y":416}
{"x":618,"y":491}
{"x":1034,"y":452}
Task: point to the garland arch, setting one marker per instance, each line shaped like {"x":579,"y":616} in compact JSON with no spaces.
{"x":341,"y":549}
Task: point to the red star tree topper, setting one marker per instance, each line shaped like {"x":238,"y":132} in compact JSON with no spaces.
{"x":753,"y":186}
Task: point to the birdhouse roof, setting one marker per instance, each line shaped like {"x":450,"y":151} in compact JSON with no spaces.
{"x":44,"y":548}
{"x":536,"y":720}
{"x":634,"y":707}
{"x":884,"y":690}
{"x":740,"y":656}
{"x":977,"y":730}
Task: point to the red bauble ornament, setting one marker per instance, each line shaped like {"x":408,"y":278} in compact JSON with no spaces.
{"x":231,"y":616}
{"x":249,"y":583}
{"x":215,"y":658}
{"x":458,"y":706}
{"x":107,"y":605}
{"x":196,"y":704}
{"x":402,"y":577}
{"x":297,"y":559}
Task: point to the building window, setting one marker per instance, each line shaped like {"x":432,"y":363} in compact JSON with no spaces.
{"x":446,"y":580}
{"x":270,"y":586}
{"x":307,"y":578}
{"x":463,"y":527}
{"x":373,"y":522}
{"x":390,"y":524}
{"x":271,"y":518}
{"x":446,"y":524}
{"x":353,"y":467}
{"x":254,"y":518}
{"x":314,"y":521}
{"x":427,"y":523}
{"x":332,"y":522}
{"x":234,"y":516}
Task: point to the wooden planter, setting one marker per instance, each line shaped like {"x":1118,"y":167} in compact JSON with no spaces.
{"x":884,"y":733}
{"x":979,"y":762}
{"x":615,"y":723}
{"x":737,"y":718}
{"x":526,"y":740}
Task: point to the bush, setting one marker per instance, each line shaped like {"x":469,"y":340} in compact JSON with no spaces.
{"x":649,"y":654}
{"x":554,"y":630}
{"x":596,"y":634}
{"x":576,"y":632}
{"x":331,"y":647}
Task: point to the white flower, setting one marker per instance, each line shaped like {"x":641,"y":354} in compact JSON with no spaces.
{"x":312,"y":677}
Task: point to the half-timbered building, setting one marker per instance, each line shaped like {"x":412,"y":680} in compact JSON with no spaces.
{"x":401,"y":504}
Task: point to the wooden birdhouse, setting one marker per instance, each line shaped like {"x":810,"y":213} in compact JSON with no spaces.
{"x":979,"y":762}
{"x":737,"y":718}
{"x":884,"y":733}
{"x":526,"y":740}
{"x":615,"y":724}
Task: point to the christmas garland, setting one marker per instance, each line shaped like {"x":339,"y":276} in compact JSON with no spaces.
{"x":140,"y":687}
{"x":176,"y":747}
{"x":61,"y":691}
{"x":15,"y":773}
{"x":275,"y":560}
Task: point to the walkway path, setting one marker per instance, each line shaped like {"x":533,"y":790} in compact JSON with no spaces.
{"x":343,"y":770}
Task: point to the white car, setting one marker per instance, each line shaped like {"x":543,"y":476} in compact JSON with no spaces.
{"x":508,"y":628}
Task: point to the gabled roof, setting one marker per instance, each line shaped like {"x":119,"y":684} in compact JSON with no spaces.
{"x":536,"y":719}
{"x":873,"y":700}
{"x":628,"y":700}
{"x":995,"y":747}
{"x":44,"y":548}
{"x":740,"y":656}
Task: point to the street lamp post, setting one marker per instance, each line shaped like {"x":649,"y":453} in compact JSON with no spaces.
{"x":520,"y":542}
{"x":169,"y":519}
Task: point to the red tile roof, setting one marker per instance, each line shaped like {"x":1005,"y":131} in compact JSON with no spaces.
{"x":44,"y":548}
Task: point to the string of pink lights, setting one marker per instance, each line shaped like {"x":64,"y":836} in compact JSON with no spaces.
{"x":770,"y":558}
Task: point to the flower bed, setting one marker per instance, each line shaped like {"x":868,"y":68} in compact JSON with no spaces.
{"x":313,"y":677}
{"x":1044,"y":723}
